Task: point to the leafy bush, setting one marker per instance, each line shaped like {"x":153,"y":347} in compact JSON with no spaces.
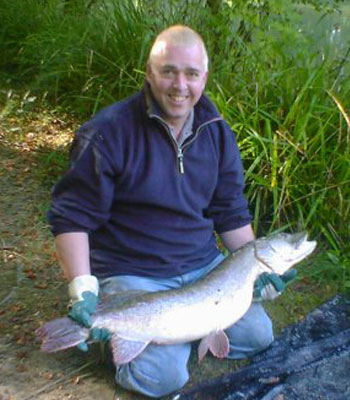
{"x":18,"y":20}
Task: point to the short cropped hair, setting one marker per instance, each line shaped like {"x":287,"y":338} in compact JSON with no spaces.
{"x":179,"y":35}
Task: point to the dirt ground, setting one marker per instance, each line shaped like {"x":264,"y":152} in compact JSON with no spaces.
{"x":32,"y":288}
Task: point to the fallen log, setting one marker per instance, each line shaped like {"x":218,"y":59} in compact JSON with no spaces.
{"x":302,"y":359}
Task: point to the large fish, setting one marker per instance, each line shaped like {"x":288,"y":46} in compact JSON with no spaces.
{"x":202,"y":310}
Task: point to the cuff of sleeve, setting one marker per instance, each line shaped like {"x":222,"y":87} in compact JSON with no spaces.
{"x":233,"y":224}
{"x":81,"y":284}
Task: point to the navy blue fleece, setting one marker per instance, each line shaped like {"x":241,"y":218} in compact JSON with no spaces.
{"x":124,"y":188}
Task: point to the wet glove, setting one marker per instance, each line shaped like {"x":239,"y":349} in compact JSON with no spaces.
{"x":268,"y":286}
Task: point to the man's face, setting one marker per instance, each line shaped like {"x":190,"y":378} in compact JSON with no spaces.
{"x":177,"y":77}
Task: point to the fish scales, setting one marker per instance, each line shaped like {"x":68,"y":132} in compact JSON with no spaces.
{"x":181,"y":315}
{"x":201,"y":310}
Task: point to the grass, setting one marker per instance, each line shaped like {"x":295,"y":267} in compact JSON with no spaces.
{"x":296,"y":157}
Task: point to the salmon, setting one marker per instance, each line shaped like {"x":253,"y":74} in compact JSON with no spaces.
{"x":198,"y":311}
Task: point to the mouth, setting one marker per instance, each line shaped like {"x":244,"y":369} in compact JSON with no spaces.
{"x":300,"y":240}
{"x":177,"y":99}
{"x":302,"y":245}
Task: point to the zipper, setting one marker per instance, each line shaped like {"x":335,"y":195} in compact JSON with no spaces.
{"x":188,"y":143}
{"x":180,"y":159}
{"x":180,"y":149}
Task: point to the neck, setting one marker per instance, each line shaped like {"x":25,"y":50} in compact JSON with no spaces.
{"x":177,"y":130}
{"x":177,"y":124}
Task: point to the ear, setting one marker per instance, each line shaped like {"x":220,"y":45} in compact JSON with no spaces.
{"x":205,"y":78}
{"x":148,"y":72}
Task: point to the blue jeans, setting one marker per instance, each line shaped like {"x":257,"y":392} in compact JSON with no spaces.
{"x":160,"y":370}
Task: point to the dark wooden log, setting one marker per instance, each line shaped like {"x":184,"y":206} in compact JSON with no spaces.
{"x":321,"y":339}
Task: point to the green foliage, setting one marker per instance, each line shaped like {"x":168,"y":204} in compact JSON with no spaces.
{"x":88,"y":57}
{"x":279,"y":79}
{"x":295,"y":150}
{"x":52,"y":164}
{"x":14,"y":28}
{"x":331,"y":265}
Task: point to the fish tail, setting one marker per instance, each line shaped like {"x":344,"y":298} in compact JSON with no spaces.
{"x":60,"y":334}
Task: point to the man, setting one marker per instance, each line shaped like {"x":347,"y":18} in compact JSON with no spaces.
{"x":151,"y":178}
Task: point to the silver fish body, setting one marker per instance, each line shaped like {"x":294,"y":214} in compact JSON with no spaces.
{"x":202,"y":310}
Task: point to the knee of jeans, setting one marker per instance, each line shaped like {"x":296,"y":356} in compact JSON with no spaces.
{"x":153,"y":378}
{"x":262,"y":336}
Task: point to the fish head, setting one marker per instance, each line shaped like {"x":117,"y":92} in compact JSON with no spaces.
{"x":279,"y":252}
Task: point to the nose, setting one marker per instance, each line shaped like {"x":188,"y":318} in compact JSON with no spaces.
{"x":180,"y":81}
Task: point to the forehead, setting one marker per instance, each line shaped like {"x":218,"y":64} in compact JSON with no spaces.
{"x":182,"y":56}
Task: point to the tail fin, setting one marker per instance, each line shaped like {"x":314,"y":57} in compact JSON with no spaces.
{"x":60,"y":334}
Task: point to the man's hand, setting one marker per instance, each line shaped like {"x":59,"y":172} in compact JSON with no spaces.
{"x":83,"y":291}
{"x":96,"y":335}
{"x":269,"y":286}
{"x":82,"y":310}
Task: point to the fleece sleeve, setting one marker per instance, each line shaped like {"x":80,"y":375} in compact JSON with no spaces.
{"x":229,"y":207}
{"x":82,"y":198}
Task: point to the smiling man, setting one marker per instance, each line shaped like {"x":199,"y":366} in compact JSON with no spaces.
{"x":177,"y":72}
{"x":151,"y":178}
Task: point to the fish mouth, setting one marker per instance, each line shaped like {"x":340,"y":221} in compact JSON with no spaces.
{"x":290,"y":247}
{"x":303,"y":247}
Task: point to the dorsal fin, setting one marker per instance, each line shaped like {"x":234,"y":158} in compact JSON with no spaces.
{"x":116,"y":300}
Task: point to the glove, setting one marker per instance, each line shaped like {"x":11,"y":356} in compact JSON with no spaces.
{"x":269,"y":286}
{"x":83,"y":291}
{"x":96,"y":335}
{"x":81,"y":311}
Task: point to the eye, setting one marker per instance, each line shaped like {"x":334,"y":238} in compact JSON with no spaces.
{"x":192,"y":74}
{"x":167,"y":72}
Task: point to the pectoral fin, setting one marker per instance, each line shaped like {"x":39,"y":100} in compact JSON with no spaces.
{"x":124,"y":350}
{"x":217,"y":342}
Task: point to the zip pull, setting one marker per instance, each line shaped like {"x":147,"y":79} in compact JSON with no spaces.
{"x":180,"y":158}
